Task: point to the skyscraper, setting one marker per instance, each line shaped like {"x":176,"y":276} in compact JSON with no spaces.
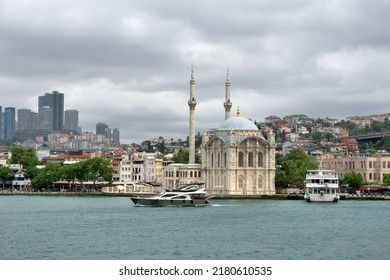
{"x":45,"y":118}
{"x":27,"y":120}
{"x":71,"y":120}
{"x":9,"y":123}
{"x":116,"y":136}
{"x":101,"y":128}
{"x":55,"y":101}
{"x":1,"y":123}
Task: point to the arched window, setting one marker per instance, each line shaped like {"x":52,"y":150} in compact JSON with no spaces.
{"x":250,"y":159}
{"x":191,"y":174}
{"x":212,"y":160}
{"x":240,"y":159}
{"x":259,"y":159}
{"x":219,"y":160}
{"x":224,"y":159}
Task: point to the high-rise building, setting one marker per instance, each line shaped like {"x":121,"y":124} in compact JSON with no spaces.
{"x":116,"y":136}
{"x":54,"y":100}
{"x":9,"y":123}
{"x":27,"y":120}
{"x":45,"y":118}
{"x":71,"y":120}
{"x":101,"y":128}
{"x":1,"y":123}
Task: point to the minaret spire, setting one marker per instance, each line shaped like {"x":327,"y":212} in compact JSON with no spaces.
{"x":227,"y":103}
{"x":192,"y":105}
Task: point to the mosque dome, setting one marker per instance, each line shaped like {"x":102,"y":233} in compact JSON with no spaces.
{"x":238,"y":123}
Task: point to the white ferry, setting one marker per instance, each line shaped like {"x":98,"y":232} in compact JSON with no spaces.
{"x":20,"y":183}
{"x":322,"y":186}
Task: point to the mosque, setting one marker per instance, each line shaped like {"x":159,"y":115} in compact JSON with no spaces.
{"x":236,"y":159}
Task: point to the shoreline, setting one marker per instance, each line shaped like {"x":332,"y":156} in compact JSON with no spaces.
{"x":262,"y":197}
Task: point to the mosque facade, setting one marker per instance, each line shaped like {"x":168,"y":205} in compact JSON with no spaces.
{"x":236,"y":159}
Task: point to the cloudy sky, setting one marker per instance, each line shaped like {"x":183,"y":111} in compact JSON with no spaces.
{"x":128,"y":63}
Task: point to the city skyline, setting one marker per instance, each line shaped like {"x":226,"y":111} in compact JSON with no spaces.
{"x":128,"y":64}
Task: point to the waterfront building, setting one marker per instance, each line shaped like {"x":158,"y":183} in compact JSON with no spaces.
{"x":372,"y":168}
{"x":71,"y":120}
{"x":55,"y":101}
{"x":138,"y":171}
{"x":9,"y":123}
{"x":179,"y":173}
{"x":158,"y":169}
{"x":149,"y":175}
{"x":116,"y":163}
{"x":236,"y":158}
{"x":125,"y":174}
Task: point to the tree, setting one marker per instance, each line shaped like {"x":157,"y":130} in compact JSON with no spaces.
{"x":386,"y":180}
{"x":293,"y":168}
{"x":182,"y":156}
{"x":31,"y":172}
{"x":353,"y":180}
{"x":97,"y":168}
{"x":5,"y":174}
{"x":51,"y":173}
{"x":23,"y":156}
{"x":161,"y":147}
{"x":73,"y":172}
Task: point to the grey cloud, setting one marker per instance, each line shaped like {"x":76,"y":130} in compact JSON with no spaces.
{"x":132,"y":59}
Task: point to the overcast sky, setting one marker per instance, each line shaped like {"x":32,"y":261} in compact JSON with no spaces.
{"x":128,"y":63}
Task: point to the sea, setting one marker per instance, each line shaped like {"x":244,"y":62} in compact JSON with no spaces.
{"x":112,"y":228}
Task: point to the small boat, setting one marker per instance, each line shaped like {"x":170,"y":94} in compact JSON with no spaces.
{"x":185,"y":195}
{"x":322,"y":186}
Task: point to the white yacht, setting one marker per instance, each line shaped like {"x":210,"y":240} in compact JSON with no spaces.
{"x":186,"y":195}
{"x":322,"y":186}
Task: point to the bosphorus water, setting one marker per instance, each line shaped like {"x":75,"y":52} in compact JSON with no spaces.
{"x":111,"y":228}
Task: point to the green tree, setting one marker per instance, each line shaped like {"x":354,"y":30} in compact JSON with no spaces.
{"x":386,"y":180}
{"x":161,"y":147}
{"x":293,"y":168}
{"x":96,"y":169}
{"x":31,"y":172}
{"x":51,"y":173}
{"x":182,"y":156}
{"x":73,"y":172}
{"x":5,"y":174}
{"x":353,"y":180}
{"x":317,"y":136}
{"x":281,"y":181}
{"x":23,"y":156}
{"x":383,"y":144}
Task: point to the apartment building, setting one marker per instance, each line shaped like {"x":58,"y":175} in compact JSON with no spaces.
{"x":372,"y":168}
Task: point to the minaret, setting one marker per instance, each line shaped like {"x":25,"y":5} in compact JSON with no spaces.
{"x":227,"y":103}
{"x":192,"y":105}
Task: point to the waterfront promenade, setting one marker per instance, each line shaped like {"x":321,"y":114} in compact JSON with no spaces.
{"x":128,"y":194}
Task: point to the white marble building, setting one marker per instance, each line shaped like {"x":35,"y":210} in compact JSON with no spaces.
{"x":237,"y":160}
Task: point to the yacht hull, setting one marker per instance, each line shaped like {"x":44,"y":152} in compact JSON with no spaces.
{"x":140,"y":201}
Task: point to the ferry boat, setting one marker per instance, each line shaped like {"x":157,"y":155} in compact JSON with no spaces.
{"x":20,"y":183}
{"x":322,"y":186}
{"x":185,"y":195}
